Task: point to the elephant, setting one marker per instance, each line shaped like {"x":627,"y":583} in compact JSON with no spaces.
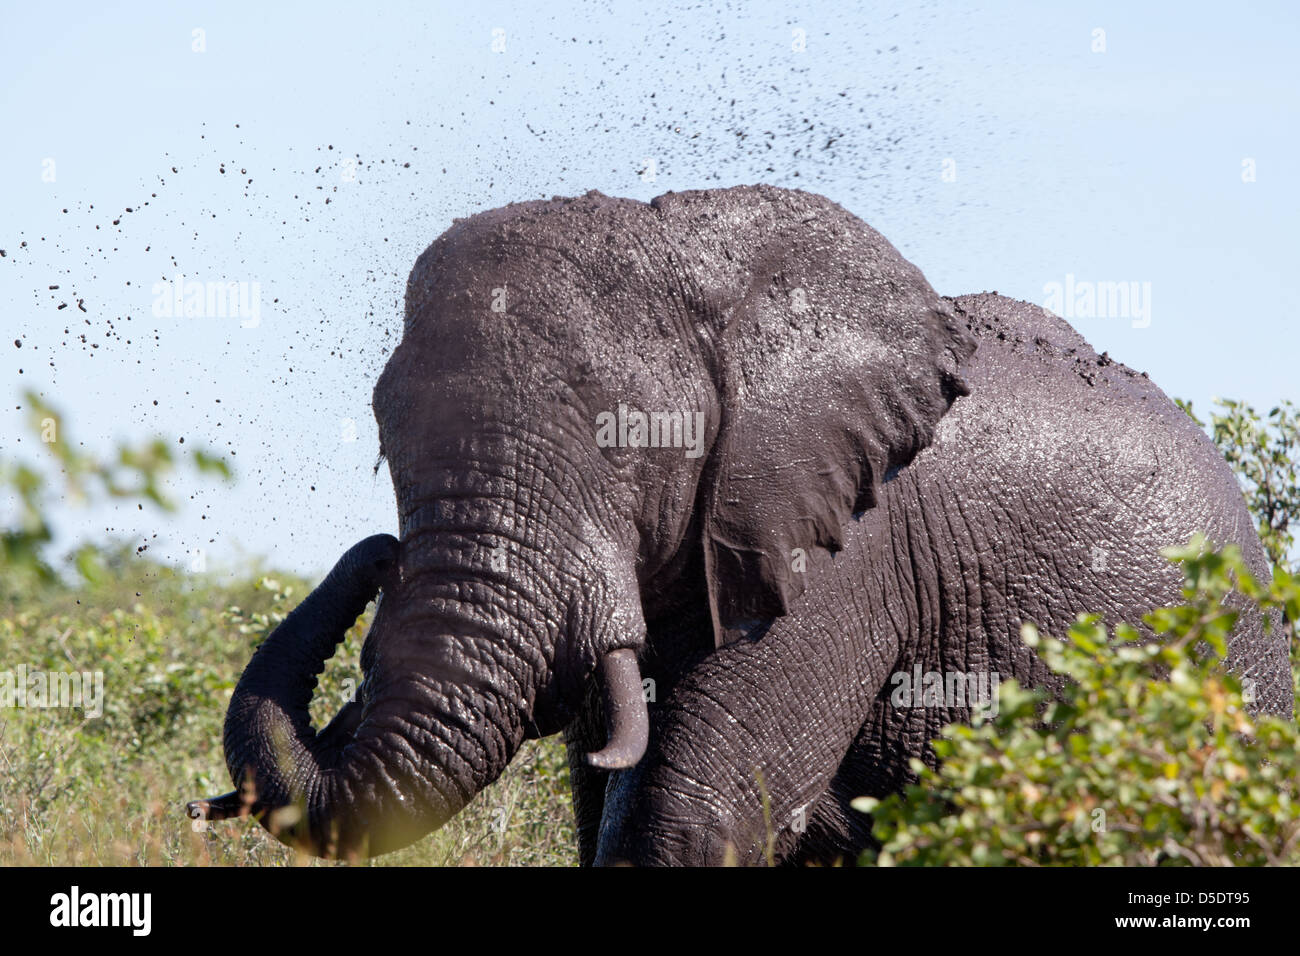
{"x":692,"y":482}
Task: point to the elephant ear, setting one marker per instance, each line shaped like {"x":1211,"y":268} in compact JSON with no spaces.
{"x":835,"y":364}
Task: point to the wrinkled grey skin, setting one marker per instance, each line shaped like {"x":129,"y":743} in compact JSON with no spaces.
{"x":840,"y":524}
{"x":1047,"y":492}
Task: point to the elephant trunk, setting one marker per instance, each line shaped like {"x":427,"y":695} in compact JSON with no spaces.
{"x":269,"y":710}
{"x":450,"y":696}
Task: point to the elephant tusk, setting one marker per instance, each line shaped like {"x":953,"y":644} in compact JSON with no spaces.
{"x":625,"y":712}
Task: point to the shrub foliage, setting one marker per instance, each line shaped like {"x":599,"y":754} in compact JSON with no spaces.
{"x":1150,"y":756}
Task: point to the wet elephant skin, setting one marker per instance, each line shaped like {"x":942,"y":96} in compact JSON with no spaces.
{"x":849,"y":477}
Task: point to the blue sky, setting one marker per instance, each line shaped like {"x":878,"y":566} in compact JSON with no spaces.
{"x":1117,"y":166}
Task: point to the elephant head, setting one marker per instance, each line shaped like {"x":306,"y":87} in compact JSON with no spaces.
{"x":592,"y":397}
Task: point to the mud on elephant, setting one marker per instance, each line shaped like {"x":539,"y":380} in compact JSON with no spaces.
{"x":729,"y":442}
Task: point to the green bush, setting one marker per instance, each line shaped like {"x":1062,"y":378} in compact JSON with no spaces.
{"x":1265,"y":455}
{"x":1148,"y":757}
{"x":132,"y":472}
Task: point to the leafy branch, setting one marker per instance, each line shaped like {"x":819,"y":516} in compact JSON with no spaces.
{"x":132,"y":473}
